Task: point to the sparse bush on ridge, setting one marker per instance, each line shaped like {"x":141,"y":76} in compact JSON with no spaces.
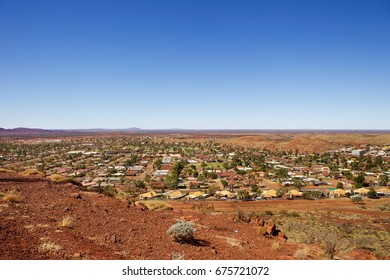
{"x":2,"y":170}
{"x":203,"y":207}
{"x":29,"y":172}
{"x":182,"y":231}
{"x":11,"y":197}
{"x":57,"y":178}
{"x":156,"y":205}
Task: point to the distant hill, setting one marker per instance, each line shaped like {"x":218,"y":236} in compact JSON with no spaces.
{"x":24,"y":131}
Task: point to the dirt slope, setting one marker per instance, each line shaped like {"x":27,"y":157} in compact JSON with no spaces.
{"x":106,"y":228}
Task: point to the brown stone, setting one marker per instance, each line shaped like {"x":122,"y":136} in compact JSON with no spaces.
{"x":257,"y":221}
{"x":270,"y":227}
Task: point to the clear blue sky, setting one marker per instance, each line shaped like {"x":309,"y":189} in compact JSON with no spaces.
{"x":195,"y":64}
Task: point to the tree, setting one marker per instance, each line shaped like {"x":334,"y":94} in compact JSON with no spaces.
{"x":383,"y":180}
{"x":360,"y":181}
{"x":372,"y":194}
{"x":340,"y":185}
{"x":243,"y":194}
{"x":212,"y":190}
{"x":139,"y":184}
{"x":224,"y":183}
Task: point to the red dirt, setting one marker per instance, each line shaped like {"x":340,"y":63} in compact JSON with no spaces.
{"x":107,"y":228}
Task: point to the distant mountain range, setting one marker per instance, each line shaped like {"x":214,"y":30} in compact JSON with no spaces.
{"x":23,"y":131}
{"x":39,"y":131}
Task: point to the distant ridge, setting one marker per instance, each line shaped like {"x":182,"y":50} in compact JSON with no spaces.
{"x":23,"y":131}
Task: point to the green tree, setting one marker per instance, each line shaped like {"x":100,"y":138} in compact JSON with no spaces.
{"x":340,"y":185}
{"x":372,"y":193}
{"x":383,"y":180}
{"x":360,"y":181}
{"x":224,"y":183}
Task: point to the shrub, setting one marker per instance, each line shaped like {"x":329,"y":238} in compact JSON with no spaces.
{"x":269,"y":213}
{"x":56,"y":178}
{"x":301,"y":254}
{"x":275,"y":245}
{"x":29,"y":172}
{"x":262,"y":230}
{"x":177,"y":256}
{"x":49,"y":246}
{"x":182,"y":231}
{"x":66,"y":222}
{"x":2,"y":170}
{"x":203,"y":207}
{"x":372,"y":194}
{"x":11,"y":197}
{"x":156,"y":205}
{"x":356,"y":199}
{"x":239,"y":215}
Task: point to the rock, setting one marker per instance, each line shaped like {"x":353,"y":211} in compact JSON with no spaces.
{"x":257,"y":221}
{"x":362,"y":254}
{"x":270,"y":227}
{"x":281,"y":236}
{"x":142,"y":207}
{"x":77,"y":255}
{"x":75,"y":195}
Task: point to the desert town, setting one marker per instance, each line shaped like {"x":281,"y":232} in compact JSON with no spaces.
{"x":286,"y":196}
{"x":150,"y":167}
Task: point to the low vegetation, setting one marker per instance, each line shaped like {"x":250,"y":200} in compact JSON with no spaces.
{"x":203,"y":207}
{"x":29,"y":172}
{"x":336,"y":239}
{"x":66,"y":222}
{"x":49,"y":247}
{"x":182,"y":231}
{"x":11,"y":197}
{"x":56,"y":178}
{"x":153,"y":205}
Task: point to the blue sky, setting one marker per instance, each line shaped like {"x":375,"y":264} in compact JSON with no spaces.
{"x":202,"y":64}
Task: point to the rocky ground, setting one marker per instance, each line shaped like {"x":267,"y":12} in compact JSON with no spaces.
{"x":43,"y":220}
{"x":102,"y":227}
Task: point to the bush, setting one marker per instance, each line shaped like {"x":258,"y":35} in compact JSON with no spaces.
{"x":29,"y":172}
{"x":372,"y":194}
{"x":203,"y":207}
{"x":356,"y":199}
{"x":262,"y":230}
{"x":182,"y":232}
{"x":49,"y":246}
{"x":56,"y":178}
{"x":11,"y":197}
{"x":239,"y":215}
{"x":156,"y":205}
{"x":66,"y":222}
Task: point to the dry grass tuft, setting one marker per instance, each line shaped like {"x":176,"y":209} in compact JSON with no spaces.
{"x":177,"y":256}
{"x":56,"y":178}
{"x":2,"y":170}
{"x":49,"y":247}
{"x":12,"y":198}
{"x":153,"y":205}
{"x":66,"y":222}
{"x":29,"y":172}
{"x":275,"y":245}
{"x":301,"y":254}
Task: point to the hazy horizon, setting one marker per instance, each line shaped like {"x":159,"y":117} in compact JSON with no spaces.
{"x":195,"y":64}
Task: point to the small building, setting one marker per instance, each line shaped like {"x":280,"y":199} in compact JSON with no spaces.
{"x":358,"y":153}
